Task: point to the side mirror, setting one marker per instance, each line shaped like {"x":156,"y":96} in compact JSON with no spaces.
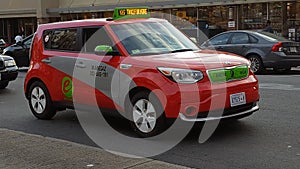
{"x":105,"y":50}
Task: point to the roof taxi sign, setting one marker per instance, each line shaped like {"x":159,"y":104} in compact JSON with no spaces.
{"x":126,"y":13}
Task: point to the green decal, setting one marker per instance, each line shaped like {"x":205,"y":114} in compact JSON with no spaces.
{"x":67,"y":87}
{"x":225,"y":75}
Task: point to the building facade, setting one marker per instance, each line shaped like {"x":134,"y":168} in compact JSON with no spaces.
{"x":24,"y":16}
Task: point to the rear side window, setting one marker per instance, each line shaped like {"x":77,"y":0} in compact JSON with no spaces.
{"x":253,"y":39}
{"x":240,"y":38}
{"x":61,"y":39}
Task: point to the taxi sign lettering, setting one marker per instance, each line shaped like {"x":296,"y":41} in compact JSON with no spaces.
{"x":126,"y":13}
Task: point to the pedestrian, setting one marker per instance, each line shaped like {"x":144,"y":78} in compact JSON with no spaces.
{"x":18,"y":39}
{"x":268,"y":27}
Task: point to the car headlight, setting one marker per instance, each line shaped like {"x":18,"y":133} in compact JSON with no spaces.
{"x":9,"y":63}
{"x":182,"y":75}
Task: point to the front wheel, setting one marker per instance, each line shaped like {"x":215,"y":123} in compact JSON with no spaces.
{"x":40,"y":101}
{"x":147,"y":115}
{"x":256,"y":64}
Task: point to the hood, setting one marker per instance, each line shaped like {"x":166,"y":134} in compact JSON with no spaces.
{"x":200,"y":60}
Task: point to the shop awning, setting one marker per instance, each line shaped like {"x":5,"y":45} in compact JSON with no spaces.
{"x":18,"y":13}
{"x":154,"y":4}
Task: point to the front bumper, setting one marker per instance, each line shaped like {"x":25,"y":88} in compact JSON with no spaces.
{"x":193,"y":101}
{"x":9,"y":74}
{"x":223,"y":114}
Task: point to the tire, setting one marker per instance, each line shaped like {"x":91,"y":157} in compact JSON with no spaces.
{"x":40,"y":101}
{"x":256,"y":64}
{"x":146,"y":115}
{"x":3,"y":85}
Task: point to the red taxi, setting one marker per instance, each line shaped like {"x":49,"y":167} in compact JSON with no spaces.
{"x":143,"y":67}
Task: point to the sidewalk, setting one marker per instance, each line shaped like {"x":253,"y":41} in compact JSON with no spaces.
{"x":20,"y":150}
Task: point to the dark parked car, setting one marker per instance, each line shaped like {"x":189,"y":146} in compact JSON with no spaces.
{"x":20,"y":51}
{"x":263,"y":49}
{"x":8,"y":70}
{"x":3,"y":44}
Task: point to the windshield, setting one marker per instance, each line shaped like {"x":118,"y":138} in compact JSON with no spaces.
{"x":148,"y":38}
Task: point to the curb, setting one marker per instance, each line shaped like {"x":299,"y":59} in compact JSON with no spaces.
{"x":22,"y":150}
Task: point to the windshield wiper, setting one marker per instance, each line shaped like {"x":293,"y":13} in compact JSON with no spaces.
{"x":181,"y":50}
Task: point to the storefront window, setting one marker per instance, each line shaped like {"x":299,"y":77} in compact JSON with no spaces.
{"x":276,"y":16}
{"x":186,"y":18}
{"x":253,"y":16}
{"x":293,"y":21}
{"x":216,"y":15}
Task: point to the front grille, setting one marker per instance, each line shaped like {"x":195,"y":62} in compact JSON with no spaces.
{"x":228,"y":111}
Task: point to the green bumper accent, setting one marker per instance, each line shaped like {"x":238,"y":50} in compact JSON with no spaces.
{"x":228,"y":74}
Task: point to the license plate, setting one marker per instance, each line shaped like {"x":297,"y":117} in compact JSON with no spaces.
{"x":293,"y":49}
{"x":237,"y":99}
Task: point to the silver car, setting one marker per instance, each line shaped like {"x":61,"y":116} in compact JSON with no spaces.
{"x":263,"y":49}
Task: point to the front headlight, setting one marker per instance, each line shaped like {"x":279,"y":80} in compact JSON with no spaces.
{"x":9,"y":63}
{"x":182,"y":75}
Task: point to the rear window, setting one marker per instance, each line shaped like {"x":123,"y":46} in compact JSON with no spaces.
{"x":272,"y":37}
{"x":61,"y":39}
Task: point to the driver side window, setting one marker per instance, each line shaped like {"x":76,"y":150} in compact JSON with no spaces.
{"x":93,"y":37}
{"x":221,"y":39}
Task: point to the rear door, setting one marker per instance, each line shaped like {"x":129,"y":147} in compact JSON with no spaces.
{"x":59,"y":58}
{"x":240,"y":43}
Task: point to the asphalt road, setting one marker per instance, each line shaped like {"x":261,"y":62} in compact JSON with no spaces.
{"x":268,"y":139}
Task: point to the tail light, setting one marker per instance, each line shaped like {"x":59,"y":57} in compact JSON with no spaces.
{"x":277,"y":47}
{"x":6,"y":45}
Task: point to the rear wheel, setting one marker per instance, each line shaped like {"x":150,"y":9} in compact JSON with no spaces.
{"x":3,"y":85}
{"x":40,"y":101}
{"x":146,"y":114}
{"x":256,"y":64}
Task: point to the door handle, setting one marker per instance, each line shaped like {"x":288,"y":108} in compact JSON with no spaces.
{"x":80,"y":65}
{"x":125,"y":66}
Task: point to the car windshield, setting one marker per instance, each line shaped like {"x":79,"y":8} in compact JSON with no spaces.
{"x":272,"y":37}
{"x":148,"y":38}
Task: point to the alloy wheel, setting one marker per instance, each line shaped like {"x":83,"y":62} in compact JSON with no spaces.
{"x":38,"y":100}
{"x":144,"y":115}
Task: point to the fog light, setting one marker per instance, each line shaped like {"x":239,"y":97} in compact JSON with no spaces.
{"x":191,"y":111}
